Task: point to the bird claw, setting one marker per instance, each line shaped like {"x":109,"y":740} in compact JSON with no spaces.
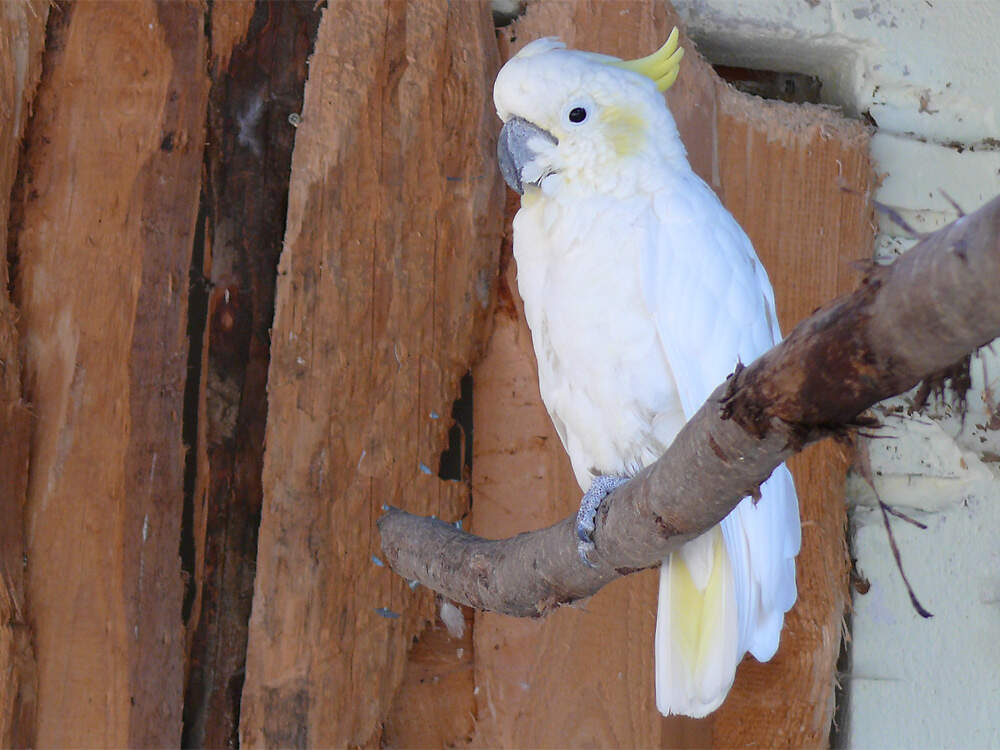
{"x":586,"y":517}
{"x":585,"y":542}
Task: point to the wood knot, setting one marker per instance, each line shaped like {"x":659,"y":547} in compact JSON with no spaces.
{"x":717,"y":449}
{"x":666,"y":529}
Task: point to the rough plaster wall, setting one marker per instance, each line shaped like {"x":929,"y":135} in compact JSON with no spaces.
{"x":926,"y":72}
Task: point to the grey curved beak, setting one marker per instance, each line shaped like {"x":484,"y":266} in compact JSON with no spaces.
{"x":514,"y":151}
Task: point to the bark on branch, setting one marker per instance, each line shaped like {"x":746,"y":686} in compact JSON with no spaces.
{"x":908,"y":321}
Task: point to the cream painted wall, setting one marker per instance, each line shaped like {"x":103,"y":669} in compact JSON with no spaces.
{"x":928,"y":73}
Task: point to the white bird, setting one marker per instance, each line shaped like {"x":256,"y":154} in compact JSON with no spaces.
{"x":642,"y":294}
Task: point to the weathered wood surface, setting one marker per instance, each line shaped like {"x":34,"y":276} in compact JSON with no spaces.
{"x":22,"y":39}
{"x":435,"y":706}
{"x":389,"y":258}
{"x":776,"y":167}
{"x":108,"y":199}
{"x":229,"y":24}
{"x":784,"y":172}
{"x":255,"y":88}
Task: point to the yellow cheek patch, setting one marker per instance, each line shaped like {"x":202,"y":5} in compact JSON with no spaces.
{"x":624,"y":129}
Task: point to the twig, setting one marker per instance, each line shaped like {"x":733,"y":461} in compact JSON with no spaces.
{"x":899,"y":561}
{"x":897,"y":217}
{"x":953,"y":202}
{"x":900,"y":514}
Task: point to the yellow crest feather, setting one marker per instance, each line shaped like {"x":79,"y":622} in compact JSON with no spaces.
{"x":662,"y":66}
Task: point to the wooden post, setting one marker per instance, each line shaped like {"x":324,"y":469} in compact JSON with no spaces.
{"x":393,"y":230}
{"x":798,"y":178}
{"x":109,"y":195}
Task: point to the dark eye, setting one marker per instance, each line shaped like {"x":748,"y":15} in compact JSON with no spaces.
{"x":577,"y":114}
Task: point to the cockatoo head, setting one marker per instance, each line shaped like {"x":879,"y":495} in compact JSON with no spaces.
{"x":583,"y":119}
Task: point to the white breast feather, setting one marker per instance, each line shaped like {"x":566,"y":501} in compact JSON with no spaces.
{"x":638,"y":309}
{"x":601,"y":369}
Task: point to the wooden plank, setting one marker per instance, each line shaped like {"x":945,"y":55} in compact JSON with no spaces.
{"x":798,"y":177}
{"x":257,"y":86}
{"x":393,"y":228}
{"x":591,"y":668}
{"x":22,"y":39}
{"x":109,"y":199}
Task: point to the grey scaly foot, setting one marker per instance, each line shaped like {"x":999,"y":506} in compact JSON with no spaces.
{"x":602,"y":486}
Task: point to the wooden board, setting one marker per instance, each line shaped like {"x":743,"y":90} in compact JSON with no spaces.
{"x":109,"y":195}
{"x":22,"y":38}
{"x":798,"y":177}
{"x":389,"y":257}
{"x":590,"y":667}
{"x":584,"y":676}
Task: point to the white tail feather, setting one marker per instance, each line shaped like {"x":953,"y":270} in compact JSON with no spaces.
{"x":723,"y":594}
{"x":696,"y":629}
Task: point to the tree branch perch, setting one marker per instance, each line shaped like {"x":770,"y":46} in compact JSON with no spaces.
{"x":907,"y":321}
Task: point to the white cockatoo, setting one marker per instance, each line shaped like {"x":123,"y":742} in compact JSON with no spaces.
{"x":642,"y":294}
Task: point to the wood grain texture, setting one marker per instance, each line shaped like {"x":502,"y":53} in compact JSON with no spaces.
{"x":108,"y":204}
{"x":18,"y":674}
{"x":798,"y":177}
{"x":393,"y":228}
{"x":780,"y":170}
{"x":229,"y":23}
{"x":22,"y":39}
{"x":435,"y":706}
{"x":245,"y":201}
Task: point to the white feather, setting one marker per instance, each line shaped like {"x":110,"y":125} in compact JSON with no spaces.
{"x":693,"y":679}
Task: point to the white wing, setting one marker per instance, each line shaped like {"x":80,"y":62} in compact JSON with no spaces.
{"x":714,"y":306}
{"x":710,"y":295}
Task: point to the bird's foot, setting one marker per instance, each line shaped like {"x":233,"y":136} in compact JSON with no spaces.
{"x":602,"y":486}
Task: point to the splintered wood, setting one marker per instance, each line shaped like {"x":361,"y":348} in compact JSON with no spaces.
{"x":394,"y":220}
{"x":782,"y":170}
{"x":103,"y":242}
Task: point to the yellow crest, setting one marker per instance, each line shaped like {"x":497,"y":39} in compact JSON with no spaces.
{"x":662,"y":66}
